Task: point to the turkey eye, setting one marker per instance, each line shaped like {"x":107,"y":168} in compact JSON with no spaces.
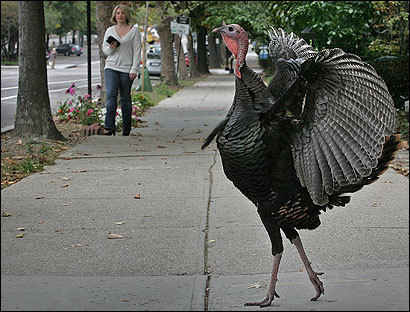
{"x":230,"y":28}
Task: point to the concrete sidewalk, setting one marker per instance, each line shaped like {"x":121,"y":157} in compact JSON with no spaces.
{"x":190,"y":240}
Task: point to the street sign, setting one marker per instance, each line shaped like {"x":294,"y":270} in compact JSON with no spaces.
{"x":181,"y":25}
{"x":183,"y":20}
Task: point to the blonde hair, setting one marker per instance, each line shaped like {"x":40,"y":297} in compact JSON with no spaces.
{"x":125,"y":10}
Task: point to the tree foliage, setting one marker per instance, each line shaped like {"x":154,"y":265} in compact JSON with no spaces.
{"x":391,"y":28}
{"x":366,"y":28}
{"x":9,"y":27}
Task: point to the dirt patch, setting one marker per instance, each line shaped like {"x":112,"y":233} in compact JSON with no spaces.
{"x":22,"y":157}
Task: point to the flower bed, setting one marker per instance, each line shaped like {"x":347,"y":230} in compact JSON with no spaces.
{"x":88,"y":111}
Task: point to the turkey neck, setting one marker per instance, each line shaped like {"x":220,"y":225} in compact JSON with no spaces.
{"x":242,"y":51}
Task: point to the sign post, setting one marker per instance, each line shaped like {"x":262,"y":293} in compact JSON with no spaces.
{"x":180,"y":27}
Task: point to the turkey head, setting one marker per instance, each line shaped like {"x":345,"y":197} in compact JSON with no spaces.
{"x":236,"y":40}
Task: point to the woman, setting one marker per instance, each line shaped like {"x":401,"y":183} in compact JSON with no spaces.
{"x":53,"y":57}
{"x":121,"y":67}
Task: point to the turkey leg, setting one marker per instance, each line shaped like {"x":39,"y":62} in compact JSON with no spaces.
{"x":313,"y":276}
{"x":271,"y":290}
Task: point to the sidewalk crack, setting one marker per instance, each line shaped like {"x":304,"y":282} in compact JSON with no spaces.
{"x":206,"y":268}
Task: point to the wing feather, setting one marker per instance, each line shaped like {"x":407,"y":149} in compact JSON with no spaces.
{"x":346,"y":113}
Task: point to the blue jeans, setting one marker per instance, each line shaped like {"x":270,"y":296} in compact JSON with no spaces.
{"x":115,"y":80}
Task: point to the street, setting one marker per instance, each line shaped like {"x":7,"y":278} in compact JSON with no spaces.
{"x":68,"y":69}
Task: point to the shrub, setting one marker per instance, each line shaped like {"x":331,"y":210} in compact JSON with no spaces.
{"x":395,"y":73}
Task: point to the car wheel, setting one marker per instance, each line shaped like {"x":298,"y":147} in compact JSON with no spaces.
{"x":78,"y":54}
{"x":66,"y":53}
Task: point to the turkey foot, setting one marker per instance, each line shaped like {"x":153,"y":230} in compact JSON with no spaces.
{"x":316,"y":283}
{"x":271,"y":291}
{"x":265,"y":302}
{"x":313,"y":276}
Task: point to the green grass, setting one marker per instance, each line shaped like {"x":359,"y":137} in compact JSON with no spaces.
{"x":161,"y":91}
{"x":9,"y":63}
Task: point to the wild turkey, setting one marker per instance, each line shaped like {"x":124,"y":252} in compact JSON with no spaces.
{"x":323,"y":127}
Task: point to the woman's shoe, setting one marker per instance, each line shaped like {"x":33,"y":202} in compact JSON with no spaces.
{"x":126,"y":134}
{"x":110,"y":132}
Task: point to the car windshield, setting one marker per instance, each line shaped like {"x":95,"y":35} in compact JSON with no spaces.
{"x":156,"y":56}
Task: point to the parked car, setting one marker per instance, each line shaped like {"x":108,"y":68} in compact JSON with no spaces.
{"x":153,"y":63}
{"x":68,"y":49}
{"x":187,"y":59}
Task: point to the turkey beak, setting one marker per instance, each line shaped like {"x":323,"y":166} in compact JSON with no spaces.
{"x":217,"y":29}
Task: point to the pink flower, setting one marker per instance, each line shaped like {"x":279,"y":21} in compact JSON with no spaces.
{"x":73,"y":85}
{"x":87,"y":96}
{"x":89,"y":112}
{"x":69,"y":102}
{"x":72,"y":109}
{"x":71,"y":91}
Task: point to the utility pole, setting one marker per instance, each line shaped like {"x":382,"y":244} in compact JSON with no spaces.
{"x":89,"y":45}
{"x":144,"y":49}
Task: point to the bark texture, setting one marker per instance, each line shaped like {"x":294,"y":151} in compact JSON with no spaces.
{"x":33,"y":113}
{"x":103,"y":14}
{"x":167,"y":52}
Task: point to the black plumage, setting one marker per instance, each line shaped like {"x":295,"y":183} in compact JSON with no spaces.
{"x":321,"y":129}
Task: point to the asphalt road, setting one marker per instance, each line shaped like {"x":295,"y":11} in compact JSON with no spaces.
{"x":68,"y":69}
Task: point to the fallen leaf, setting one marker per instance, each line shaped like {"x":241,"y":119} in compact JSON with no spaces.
{"x":75,"y":171}
{"x":65,"y":178}
{"x":114,"y":236}
{"x":257,"y":285}
{"x":160,"y":146}
{"x":78,"y":245}
{"x":21,"y":229}
{"x":138,"y":196}
{"x":65,"y":185}
{"x":119,"y":222}
{"x":6,"y":214}
{"x":21,"y":235}
{"x":39,"y":197}
{"x":212,"y":241}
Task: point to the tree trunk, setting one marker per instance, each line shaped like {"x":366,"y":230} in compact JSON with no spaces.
{"x":222,"y":49}
{"x":193,"y":67}
{"x":214,"y":61}
{"x":103,"y":14}
{"x":182,"y":69}
{"x":167,"y":52}
{"x":202,"y":55}
{"x":33,"y":113}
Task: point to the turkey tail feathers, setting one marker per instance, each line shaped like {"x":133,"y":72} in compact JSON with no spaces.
{"x":288,"y":46}
{"x":345,"y":113}
{"x":390,"y":148}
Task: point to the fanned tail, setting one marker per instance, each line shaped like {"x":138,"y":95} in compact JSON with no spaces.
{"x":390,"y":149}
{"x":297,"y":213}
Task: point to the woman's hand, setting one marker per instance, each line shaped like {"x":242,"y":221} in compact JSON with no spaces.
{"x":132,"y":76}
{"x":113,"y":44}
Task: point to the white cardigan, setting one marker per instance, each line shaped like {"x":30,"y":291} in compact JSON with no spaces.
{"x":127,"y":57}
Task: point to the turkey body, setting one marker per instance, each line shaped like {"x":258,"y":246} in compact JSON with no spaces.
{"x":257,"y":158}
{"x":322,"y":128}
